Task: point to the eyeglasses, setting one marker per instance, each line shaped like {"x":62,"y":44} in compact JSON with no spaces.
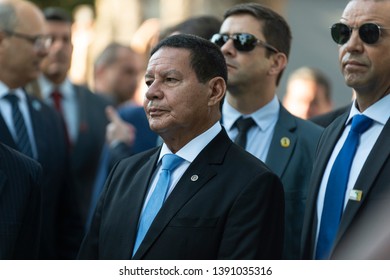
{"x":243,"y":42}
{"x":40,"y":42}
{"x":369,"y":33}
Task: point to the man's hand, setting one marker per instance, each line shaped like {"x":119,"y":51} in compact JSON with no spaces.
{"x":118,"y":130}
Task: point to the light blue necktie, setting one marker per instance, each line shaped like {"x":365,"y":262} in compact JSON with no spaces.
{"x":169,"y":163}
{"x":22,"y":139}
{"x":337,"y":186}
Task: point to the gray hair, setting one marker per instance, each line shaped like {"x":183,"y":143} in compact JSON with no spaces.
{"x":8,"y":19}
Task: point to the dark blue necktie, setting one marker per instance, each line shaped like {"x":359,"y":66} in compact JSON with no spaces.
{"x":243,"y":126}
{"x":169,"y":163}
{"x":22,"y":140}
{"x":337,"y":185}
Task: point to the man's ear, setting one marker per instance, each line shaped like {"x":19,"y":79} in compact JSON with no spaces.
{"x":217,"y":89}
{"x":278,"y":63}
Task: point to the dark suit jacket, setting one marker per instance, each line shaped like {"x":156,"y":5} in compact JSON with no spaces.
{"x":293,"y":164}
{"x":373,"y":181}
{"x":59,"y":218}
{"x":85,"y":152}
{"x":233,"y":209}
{"x":20,"y":197}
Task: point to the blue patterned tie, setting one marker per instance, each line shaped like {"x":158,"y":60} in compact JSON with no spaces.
{"x":22,"y":141}
{"x":337,"y":185}
{"x":169,"y":163}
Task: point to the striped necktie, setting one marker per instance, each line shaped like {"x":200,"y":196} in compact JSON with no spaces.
{"x":22,"y":139}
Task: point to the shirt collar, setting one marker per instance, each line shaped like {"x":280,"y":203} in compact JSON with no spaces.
{"x":4,"y":90}
{"x":263,"y":117}
{"x":379,"y":111}
{"x":192,"y":149}
{"x":47,"y":87}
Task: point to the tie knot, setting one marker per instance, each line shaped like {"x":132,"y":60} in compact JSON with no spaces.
{"x":171,"y":162}
{"x":244,"y":124}
{"x":360,"y":123}
{"x":56,"y":94}
{"x":12,"y":98}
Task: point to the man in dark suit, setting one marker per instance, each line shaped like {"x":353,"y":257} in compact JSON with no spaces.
{"x":364,"y":63}
{"x":82,"y":112}
{"x":221,"y":202}
{"x":256,"y":43}
{"x":20,"y":205}
{"x":23,"y":46}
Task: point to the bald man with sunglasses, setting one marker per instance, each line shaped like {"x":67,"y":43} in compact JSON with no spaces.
{"x":256,"y":42}
{"x":360,"y":228}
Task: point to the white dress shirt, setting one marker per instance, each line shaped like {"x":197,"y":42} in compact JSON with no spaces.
{"x":189,"y":152}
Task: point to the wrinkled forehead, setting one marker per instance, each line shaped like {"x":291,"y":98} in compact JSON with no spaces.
{"x":169,"y":58}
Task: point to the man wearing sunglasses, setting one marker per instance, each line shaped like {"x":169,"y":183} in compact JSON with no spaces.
{"x":256,"y":42}
{"x":348,"y":217}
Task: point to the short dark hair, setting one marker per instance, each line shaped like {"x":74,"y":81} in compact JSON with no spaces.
{"x":207,"y":60}
{"x":57,"y":14}
{"x":275,"y":28}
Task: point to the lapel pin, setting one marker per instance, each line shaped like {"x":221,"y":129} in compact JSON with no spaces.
{"x":194,"y":178}
{"x":36,"y":105}
{"x":355,"y":195}
{"x":285,"y":142}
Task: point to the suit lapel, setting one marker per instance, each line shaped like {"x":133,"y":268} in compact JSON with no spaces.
{"x":370,"y":170}
{"x":34,"y":108}
{"x":136,"y":198}
{"x":325,"y":147}
{"x":196,"y":176}
{"x":283,"y":143}
{"x":5,"y":135}
{"x":82,"y":127}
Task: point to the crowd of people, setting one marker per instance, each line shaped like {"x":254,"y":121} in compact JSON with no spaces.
{"x":212,"y":165}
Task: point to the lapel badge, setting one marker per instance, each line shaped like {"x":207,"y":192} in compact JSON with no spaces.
{"x":355,"y":195}
{"x":36,"y":105}
{"x":285,"y":142}
{"x":194,"y":178}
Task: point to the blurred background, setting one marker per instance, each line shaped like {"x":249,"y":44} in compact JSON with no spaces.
{"x":138,"y":23}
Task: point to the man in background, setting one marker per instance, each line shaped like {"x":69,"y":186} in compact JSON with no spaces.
{"x":256,"y":42}
{"x":83,"y":112}
{"x":308,"y":93}
{"x":117,"y":72}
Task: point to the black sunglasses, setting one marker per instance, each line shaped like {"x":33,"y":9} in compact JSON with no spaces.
{"x":369,"y":33}
{"x":243,"y":42}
